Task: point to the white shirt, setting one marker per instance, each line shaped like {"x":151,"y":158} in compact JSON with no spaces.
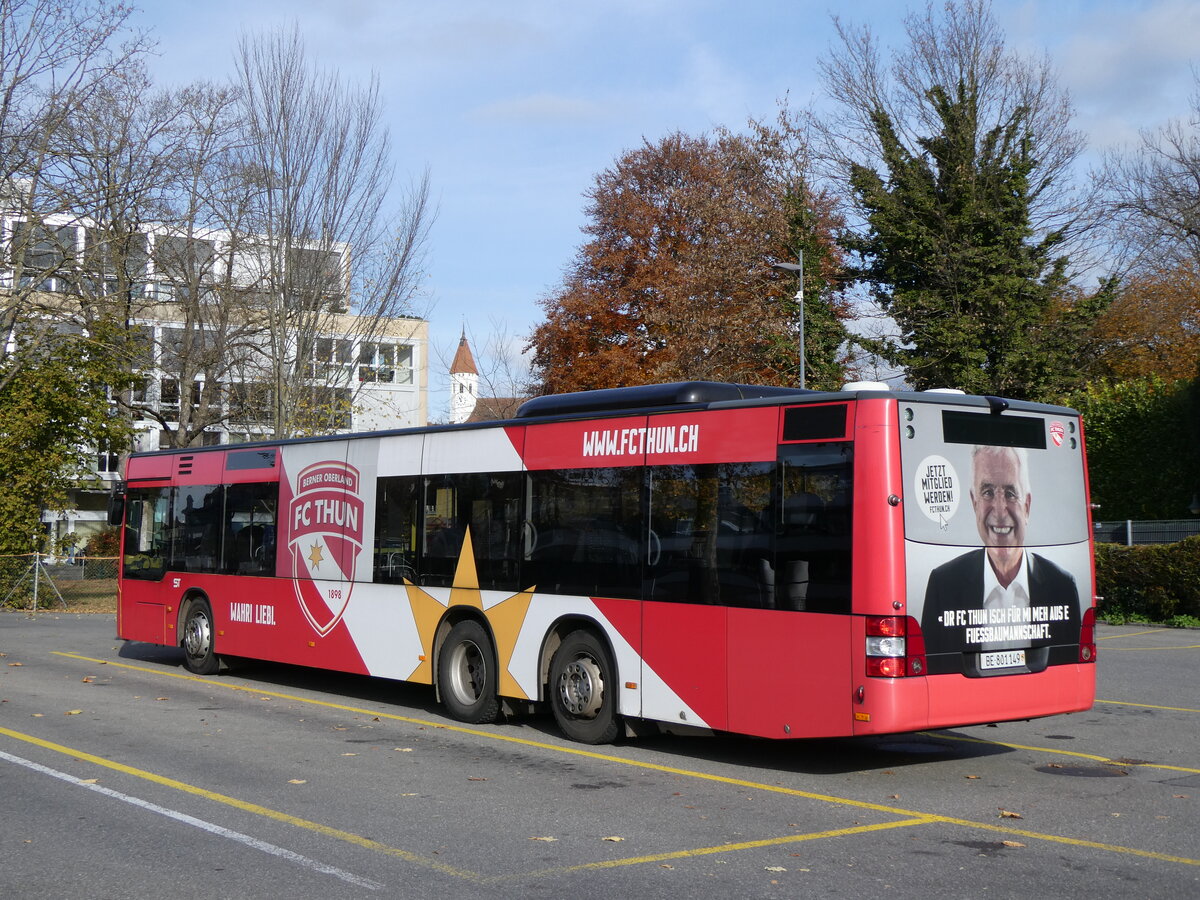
{"x":1015,"y":596}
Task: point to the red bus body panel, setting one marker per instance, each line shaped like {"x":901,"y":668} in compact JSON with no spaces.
{"x":774,"y":673}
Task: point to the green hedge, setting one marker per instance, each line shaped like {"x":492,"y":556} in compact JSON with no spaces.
{"x":1157,"y":582}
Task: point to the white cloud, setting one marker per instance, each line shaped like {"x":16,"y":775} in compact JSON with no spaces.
{"x":1128,"y":65}
{"x":543,"y":107}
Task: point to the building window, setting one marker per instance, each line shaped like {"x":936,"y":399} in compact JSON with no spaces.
{"x":332,"y":358}
{"x":108,"y":462}
{"x":385,"y":363}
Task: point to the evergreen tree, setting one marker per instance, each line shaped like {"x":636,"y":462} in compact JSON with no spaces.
{"x":950,"y":253}
{"x":957,"y":158}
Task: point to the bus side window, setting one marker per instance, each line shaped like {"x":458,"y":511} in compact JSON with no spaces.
{"x":249,"y":532}
{"x":711,"y":535}
{"x":584,"y":532}
{"x":812,"y":545}
{"x":397,"y":514}
{"x":196,"y":528}
{"x":147,"y":538}
{"x":443,"y":533}
{"x":490,"y":505}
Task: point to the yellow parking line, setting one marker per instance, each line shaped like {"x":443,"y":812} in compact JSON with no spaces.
{"x":1113,"y":637}
{"x":1059,"y":752}
{"x":910,"y":816}
{"x":1149,"y":706}
{"x":243,"y":805}
{"x":1073,"y":842}
{"x":721,"y":848}
{"x":525,"y":742}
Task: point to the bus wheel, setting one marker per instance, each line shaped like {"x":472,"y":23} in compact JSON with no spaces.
{"x":467,"y":674}
{"x":583,"y":690}
{"x":198,"y":654}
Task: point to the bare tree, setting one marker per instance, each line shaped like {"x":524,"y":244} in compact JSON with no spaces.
{"x":956,"y":43}
{"x":162,"y":208}
{"x":327,"y":240}
{"x":1155,"y":191}
{"x":55,"y":55}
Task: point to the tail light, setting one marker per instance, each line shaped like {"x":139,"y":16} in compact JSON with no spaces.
{"x":895,"y":647}
{"x":1087,"y":636}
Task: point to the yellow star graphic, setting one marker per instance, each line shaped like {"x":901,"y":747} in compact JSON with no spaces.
{"x":505,"y":618}
{"x":315,"y":556}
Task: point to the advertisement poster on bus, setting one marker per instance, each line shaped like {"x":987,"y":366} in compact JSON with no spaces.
{"x":326,"y":515}
{"x":996,"y":524}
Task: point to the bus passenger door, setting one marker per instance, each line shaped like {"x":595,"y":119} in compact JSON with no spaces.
{"x":790,"y":664}
{"x":683,"y":619}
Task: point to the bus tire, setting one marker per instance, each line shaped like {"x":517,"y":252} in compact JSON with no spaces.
{"x":199,"y":655}
{"x":583,"y":689}
{"x":467,"y":674}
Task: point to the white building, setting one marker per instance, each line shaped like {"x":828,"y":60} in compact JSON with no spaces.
{"x":378,"y":376}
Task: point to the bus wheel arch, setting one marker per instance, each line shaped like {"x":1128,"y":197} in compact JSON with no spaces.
{"x":467,"y":675}
{"x":582,"y":683}
{"x":197,"y":635}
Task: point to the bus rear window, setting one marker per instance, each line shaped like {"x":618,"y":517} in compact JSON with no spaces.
{"x":993,"y":430}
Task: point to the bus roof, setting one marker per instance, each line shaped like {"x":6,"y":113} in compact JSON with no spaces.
{"x":643,"y":399}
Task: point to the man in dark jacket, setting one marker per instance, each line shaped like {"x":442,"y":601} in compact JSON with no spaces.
{"x":1001,"y":596}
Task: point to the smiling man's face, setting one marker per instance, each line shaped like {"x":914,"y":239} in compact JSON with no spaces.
{"x":1001,"y":503}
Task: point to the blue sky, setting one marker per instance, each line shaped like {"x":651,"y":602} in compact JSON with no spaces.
{"x":515,"y":105}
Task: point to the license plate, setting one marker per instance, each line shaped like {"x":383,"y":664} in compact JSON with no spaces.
{"x":1002,"y":659}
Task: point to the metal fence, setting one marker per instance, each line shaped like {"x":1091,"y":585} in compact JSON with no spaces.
{"x":36,"y":581}
{"x":1155,"y":531}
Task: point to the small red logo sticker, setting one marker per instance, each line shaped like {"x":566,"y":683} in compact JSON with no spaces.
{"x":1057,"y":433}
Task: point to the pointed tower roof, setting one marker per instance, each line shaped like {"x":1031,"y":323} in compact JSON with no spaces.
{"x":464,"y":362}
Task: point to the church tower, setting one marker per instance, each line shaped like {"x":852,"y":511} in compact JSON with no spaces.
{"x":464,"y":383}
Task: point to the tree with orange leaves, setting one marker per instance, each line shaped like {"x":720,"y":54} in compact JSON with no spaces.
{"x":675,"y":281}
{"x":1152,"y":327}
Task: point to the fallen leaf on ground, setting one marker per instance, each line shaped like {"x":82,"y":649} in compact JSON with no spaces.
{"x":1006,"y":814}
{"x":472,"y":778}
{"x":162,"y":698}
{"x":403,"y":749}
{"x":971,"y":777}
{"x":1012,"y":844}
{"x":548,"y":839}
{"x":90,"y":781}
{"x":297,"y":781}
{"x":88,"y":679}
{"x":73,"y":712}
{"x":776,"y":869}
{"x":613,"y":838}
{"x":16,"y":664}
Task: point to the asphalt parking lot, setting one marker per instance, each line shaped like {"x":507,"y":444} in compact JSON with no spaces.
{"x":124,"y":775}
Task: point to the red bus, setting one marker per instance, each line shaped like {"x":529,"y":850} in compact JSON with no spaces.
{"x":764,"y":561}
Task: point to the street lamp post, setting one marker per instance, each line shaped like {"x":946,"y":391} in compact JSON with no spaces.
{"x":797,"y":269}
